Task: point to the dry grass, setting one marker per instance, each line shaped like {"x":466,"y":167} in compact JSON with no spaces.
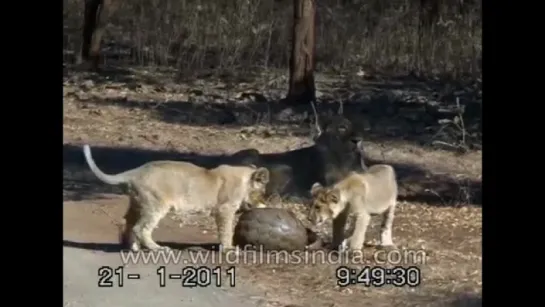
{"x":451,"y":239}
{"x":394,"y":36}
{"x":144,"y":117}
{"x":450,"y":235}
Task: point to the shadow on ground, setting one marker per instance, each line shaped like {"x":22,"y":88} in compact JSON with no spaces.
{"x":107,"y":74}
{"x":394,"y":108}
{"x":442,"y":298}
{"x":116,"y":247}
{"x":467,"y":301}
{"x":416,"y":183}
{"x":123,"y":73}
{"x":381,"y":119}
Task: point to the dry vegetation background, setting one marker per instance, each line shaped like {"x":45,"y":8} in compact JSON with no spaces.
{"x":397,"y":36}
{"x":422,"y":86}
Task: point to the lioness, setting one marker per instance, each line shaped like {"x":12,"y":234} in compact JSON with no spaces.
{"x":157,"y":187}
{"x":363,"y":193}
{"x":333,"y":156}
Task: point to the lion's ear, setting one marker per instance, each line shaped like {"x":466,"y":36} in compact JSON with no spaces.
{"x":315,"y":188}
{"x":334,"y":196}
{"x":261,"y":175}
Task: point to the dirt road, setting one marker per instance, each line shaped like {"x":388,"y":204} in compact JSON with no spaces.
{"x":162,"y":118}
{"x":85,"y":251}
{"x":81,"y":279}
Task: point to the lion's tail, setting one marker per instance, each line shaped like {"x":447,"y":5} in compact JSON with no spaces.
{"x":109,"y":179}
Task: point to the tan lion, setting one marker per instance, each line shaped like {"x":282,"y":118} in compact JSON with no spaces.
{"x":157,"y":187}
{"x":362,"y":193}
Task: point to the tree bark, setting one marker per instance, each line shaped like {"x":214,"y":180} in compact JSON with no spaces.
{"x":96,"y":16}
{"x":301,"y":84}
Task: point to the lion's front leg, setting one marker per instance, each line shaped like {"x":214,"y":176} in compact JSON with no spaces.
{"x":225,"y":216}
{"x":339,"y":224}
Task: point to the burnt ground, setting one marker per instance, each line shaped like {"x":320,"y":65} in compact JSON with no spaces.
{"x":134,"y":116}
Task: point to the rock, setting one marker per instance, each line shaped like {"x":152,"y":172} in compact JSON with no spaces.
{"x":273,"y":229}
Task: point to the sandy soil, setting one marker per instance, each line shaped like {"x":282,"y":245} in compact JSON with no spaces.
{"x":439,"y":212}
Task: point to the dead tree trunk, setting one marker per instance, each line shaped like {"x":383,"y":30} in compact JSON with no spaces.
{"x":301,"y":83}
{"x":95,"y":18}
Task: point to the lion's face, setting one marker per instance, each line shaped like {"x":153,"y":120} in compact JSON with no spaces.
{"x":259,"y":179}
{"x":339,"y":128}
{"x":257,"y":190}
{"x":325,"y":204}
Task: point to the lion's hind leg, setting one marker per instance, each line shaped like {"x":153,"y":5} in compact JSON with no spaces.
{"x":355,"y":242}
{"x":128,"y":239}
{"x":152,"y":211}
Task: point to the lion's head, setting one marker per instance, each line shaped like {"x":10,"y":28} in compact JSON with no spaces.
{"x":325,"y":204}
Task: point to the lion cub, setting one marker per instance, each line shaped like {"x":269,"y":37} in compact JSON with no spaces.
{"x":363,"y":193}
{"x":157,"y":187}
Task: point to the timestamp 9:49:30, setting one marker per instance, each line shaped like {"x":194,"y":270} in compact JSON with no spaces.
{"x":378,"y":276}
